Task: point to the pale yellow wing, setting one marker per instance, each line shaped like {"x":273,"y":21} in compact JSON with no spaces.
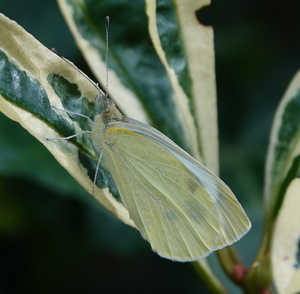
{"x":181,"y":208}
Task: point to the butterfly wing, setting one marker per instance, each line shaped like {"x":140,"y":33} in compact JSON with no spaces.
{"x":180,"y":207}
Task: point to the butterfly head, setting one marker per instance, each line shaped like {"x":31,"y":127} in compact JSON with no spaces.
{"x":105,"y":107}
{"x":101,"y":100}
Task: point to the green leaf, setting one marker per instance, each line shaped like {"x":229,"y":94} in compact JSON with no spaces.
{"x":285,"y":251}
{"x":32,"y":79}
{"x":283,"y":159}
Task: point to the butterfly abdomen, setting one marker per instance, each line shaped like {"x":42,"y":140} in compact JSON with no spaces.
{"x":97,"y":132}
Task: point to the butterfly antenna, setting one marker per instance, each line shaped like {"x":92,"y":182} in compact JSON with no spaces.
{"x":68,"y":62}
{"x":106,"y":55}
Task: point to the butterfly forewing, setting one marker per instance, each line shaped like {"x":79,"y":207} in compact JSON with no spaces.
{"x":234,"y":222}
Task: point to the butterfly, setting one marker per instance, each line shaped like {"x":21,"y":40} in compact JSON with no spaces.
{"x":183,"y":209}
{"x":179,"y":206}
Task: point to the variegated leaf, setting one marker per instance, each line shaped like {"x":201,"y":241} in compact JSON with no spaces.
{"x":187,"y":52}
{"x":283,"y":159}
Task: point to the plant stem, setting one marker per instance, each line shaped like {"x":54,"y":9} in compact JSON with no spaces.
{"x":209,"y":278}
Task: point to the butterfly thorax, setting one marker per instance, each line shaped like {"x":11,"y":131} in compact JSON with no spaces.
{"x":110,"y":113}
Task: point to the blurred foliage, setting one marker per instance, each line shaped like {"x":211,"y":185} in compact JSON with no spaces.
{"x":53,"y":235}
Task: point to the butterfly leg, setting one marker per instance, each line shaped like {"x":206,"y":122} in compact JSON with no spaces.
{"x":69,"y":137}
{"x":75,"y":113}
{"x":96,"y":173}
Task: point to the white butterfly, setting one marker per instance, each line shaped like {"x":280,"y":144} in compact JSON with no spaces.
{"x":179,"y":206}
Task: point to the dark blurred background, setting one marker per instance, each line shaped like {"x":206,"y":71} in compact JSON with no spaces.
{"x":54,"y":238}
